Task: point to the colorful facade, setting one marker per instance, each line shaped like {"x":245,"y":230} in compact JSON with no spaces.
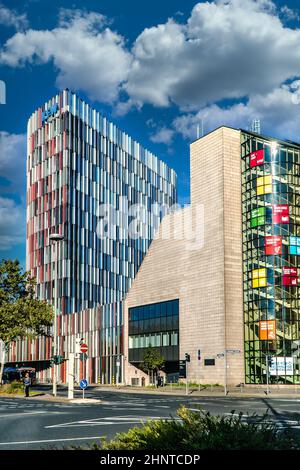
{"x":271,"y":229}
{"x":78,"y":162}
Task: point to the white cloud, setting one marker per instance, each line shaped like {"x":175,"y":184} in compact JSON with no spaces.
{"x":288,"y":14}
{"x":163,"y":136}
{"x":87,"y":55}
{"x":227,"y":49}
{"x":13,"y":161}
{"x":12,"y":223}
{"x":11,"y":18}
{"x":279,"y":112}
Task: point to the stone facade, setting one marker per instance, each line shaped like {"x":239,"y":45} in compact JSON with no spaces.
{"x":204,"y":273}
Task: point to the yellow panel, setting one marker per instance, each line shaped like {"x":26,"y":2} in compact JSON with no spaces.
{"x":255,"y":273}
{"x":262,"y":272}
{"x":262,"y":282}
{"x":268,"y":189}
{"x":260,"y":190}
{"x":255,"y":283}
{"x":260,"y":181}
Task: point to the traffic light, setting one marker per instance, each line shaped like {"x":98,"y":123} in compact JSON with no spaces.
{"x":56,"y":360}
{"x":59,"y":359}
{"x":269,"y":358}
{"x":187,"y":357}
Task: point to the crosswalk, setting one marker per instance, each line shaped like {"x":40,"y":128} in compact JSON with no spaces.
{"x":13,"y":404}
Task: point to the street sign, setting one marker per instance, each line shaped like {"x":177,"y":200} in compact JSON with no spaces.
{"x":84,"y":348}
{"x":83,"y":384}
{"x":232,"y":351}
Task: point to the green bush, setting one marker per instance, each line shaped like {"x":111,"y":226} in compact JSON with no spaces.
{"x":13,"y":387}
{"x":196,"y":431}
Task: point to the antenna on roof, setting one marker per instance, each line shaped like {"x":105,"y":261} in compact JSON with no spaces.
{"x":255,"y":126}
{"x":198,"y":130}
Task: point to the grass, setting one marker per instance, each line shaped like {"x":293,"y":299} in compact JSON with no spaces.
{"x":15,"y":389}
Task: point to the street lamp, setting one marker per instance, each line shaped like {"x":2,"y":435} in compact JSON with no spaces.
{"x":55,"y":238}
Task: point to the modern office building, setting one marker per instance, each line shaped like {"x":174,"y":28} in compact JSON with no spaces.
{"x":231,"y":301}
{"x":83,"y":173}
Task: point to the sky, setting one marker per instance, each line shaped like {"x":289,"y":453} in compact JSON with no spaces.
{"x":157,"y":69}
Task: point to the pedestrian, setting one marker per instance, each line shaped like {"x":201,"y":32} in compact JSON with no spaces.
{"x":27,"y":383}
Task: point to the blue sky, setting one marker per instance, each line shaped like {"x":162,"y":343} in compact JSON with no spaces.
{"x":154,"y":68}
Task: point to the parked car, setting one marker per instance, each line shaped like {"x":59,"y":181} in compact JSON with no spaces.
{"x":16,"y":374}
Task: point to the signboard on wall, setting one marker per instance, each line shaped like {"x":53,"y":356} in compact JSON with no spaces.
{"x":289,"y":276}
{"x":209,"y":362}
{"x":273,"y":245}
{"x":49,"y":112}
{"x":257,"y":158}
{"x":282,"y":366}
{"x":280,"y":214}
{"x":267,"y":330}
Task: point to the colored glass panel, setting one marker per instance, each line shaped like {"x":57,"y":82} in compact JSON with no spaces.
{"x":289,"y":276}
{"x":273,"y":245}
{"x":257,"y":217}
{"x":264,"y":185}
{"x":267,"y":330}
{"x":257,"y":158}
{"x":280,"y":214}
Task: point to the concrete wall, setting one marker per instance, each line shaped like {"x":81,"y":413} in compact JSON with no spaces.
{"x":204,"y":273}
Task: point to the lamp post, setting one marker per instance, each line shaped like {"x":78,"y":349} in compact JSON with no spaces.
{"x":55,"y":238}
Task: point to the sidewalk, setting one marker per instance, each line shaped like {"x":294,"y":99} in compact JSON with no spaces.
{"x":246,"y":392}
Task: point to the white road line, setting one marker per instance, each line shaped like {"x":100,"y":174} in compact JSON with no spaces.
{"x":237,"y":414}
{"x":48,"y":440}
{"x":12,"y":415}
{"x":106,"y":421}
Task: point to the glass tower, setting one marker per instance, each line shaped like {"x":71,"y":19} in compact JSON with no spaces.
{"x":271,"y":254}
{"x":78,"y":161}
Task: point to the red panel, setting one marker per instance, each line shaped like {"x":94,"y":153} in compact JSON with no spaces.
{"x":257,"y":158}
{"x":289,"y":276}
{"x":39,"y":117}
{"x":280,"y":214}
{"x":273,"y":245}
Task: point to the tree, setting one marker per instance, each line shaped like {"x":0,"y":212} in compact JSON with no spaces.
{"x":152,"y":361}
{"x":22,"y":315}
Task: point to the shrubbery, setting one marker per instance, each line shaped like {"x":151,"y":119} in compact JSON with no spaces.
{"x":13,"y":387}
{"x":196,"y":431}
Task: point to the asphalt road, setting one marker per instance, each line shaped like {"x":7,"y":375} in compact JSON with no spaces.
{"x":40,"y":424}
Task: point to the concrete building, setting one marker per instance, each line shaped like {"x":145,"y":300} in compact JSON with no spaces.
{"x":229,"y":295}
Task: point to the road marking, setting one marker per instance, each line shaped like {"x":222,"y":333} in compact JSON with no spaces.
{"x":25,"y":413}
{"x":48,"y":440}
{"x":107,"y":421}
